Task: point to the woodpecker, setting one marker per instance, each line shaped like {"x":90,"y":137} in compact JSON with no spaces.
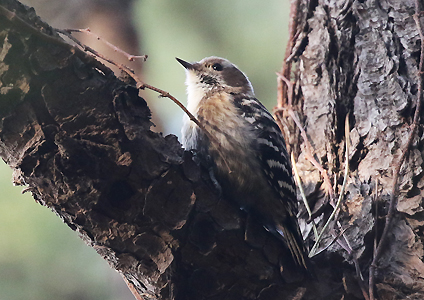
{"x":248,"y":152}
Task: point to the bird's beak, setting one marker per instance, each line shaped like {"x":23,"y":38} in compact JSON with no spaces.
{"x":185,"y":64}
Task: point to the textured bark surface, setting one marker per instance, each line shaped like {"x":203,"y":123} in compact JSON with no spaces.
{"x":361,"y":58}
{"x":80,"y":139}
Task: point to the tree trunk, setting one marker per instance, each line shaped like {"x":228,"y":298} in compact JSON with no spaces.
{"x":360,"y":60}
{"x":80,"y":139}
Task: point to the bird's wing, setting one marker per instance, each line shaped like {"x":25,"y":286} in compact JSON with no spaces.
{"x":275,"y":163}
{"x":271,"y":149}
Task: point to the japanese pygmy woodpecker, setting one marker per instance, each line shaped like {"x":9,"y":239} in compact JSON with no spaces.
{"x":249,"y":156}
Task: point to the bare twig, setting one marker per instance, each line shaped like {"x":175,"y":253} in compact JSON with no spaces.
{"x":335,"y":238}
{"x":52,"y":39}
{"x":398,"y":165}
{"x":375,"y":242}
{"x":341,"y":194}
{"x":360,"y":279}
{"x":142,"y":85}
{"x":310,"y":156}
{"x":302,"y":193}
{"x":139,"y":84}
{"x":115,"y":48}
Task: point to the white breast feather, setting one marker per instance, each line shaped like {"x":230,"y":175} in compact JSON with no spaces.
{"x":195,"y":93}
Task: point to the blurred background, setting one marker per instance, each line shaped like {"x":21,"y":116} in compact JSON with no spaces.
{"x":40,"y":257}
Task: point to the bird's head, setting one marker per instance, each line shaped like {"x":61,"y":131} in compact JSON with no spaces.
{"x":215,"y":74}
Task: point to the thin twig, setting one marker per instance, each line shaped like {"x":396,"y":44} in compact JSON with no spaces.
{"x":115,"y":48}
{"x":142,"y":85}
{"x":375,"y":244}
{"x":335,"y":238}
{"x":310,"y":155}
{"x":52,"y":39}
{"x":404,"y":152}
{"x":360,"y":279}
{"x":341,"y":194}
{"x":139,"y":84}
{"x":302,"y":193}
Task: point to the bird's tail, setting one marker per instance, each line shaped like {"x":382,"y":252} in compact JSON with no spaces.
{"x":296,"y":246}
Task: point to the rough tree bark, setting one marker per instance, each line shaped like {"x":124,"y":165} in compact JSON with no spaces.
{"x":362,"y":58}
{"x":80,"y":139}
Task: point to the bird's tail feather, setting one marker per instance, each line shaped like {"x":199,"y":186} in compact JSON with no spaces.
{"x":295,"y":244}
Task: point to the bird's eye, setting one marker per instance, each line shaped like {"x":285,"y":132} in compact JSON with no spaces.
{"x":217,"y":67}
